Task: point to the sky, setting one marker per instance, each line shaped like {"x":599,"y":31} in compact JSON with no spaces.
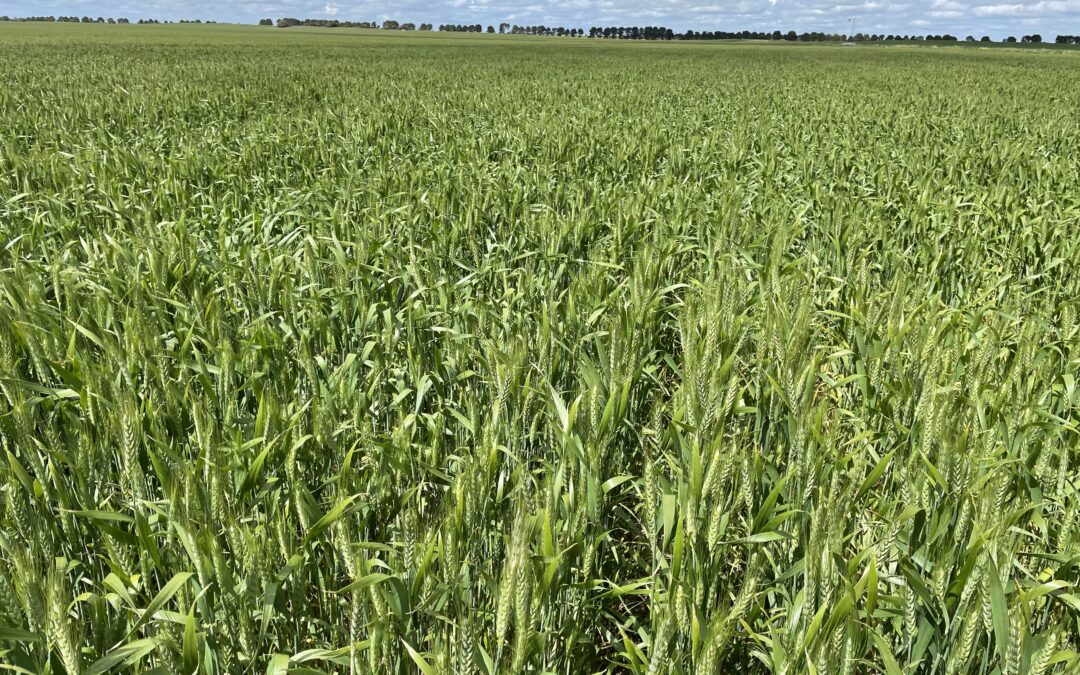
{"x":905,"y":17}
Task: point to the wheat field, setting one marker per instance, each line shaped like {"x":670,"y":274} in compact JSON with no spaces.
{"x":337,"y":352}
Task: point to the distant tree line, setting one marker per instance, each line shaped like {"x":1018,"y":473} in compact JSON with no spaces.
{"x":607,"y":33}
{"x":633,"y":33}
{"x":155,"y":21}
{"x":334,"y":23}
{"x":87,"y":19}
{"x":64,"y":19}
{"x":556,"y":31}
{"x":655,"y":32}
{"x":790,"y":36}
{"x":816,"y":36}
{"x":289,"y":22}
{"x":460,"y":28}
{"x":662,"y":33}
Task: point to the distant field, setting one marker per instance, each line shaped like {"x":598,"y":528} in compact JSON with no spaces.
{"x":329,"y":351}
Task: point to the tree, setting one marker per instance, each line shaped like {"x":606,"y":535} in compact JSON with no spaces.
{"x":1010,"y":39}
{"x":985,"y":38}
{"x":266,"y":22}
{"x":503,"y":27}
{"x":491,"y":29}
{"x":390,"y":24}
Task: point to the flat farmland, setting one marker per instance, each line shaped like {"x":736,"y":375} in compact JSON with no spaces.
{"x":328,"y":351}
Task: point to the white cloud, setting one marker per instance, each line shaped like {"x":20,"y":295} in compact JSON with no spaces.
{"x":1046,"y":7}
{"x":331,"y":9}
{"x":999,"y":10}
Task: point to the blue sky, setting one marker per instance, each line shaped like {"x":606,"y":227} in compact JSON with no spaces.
{"x":996,"y":18}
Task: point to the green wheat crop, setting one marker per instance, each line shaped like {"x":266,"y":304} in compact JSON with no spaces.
{"x":337,"y":353}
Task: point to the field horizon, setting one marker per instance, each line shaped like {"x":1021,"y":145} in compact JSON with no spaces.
{"x":246,"y":30}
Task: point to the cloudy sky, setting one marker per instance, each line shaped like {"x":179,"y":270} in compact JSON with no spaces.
{"x":959,"y":17}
